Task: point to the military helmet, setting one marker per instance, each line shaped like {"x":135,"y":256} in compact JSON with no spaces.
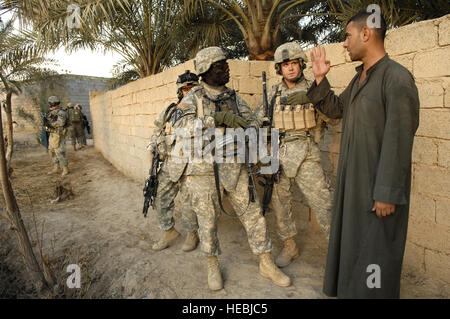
{"x":187,"y":79}
{"x":53,"y":100}
{"x":70,"y":105}
{"x":206,"y":57}
{"x":289,"y":51}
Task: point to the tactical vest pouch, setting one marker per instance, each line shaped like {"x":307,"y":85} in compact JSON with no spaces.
{"x":54,"y":140}
{"x":278,"y":118}
{"x":75,"y":116}
{"x":310,"y":116}
{"x":288,"y":118}
{"x":299,"y":118}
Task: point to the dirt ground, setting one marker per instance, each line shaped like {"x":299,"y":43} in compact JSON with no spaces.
{"x":103,"y":230}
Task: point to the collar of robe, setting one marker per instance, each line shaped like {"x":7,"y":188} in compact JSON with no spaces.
{"x":359,"y":68}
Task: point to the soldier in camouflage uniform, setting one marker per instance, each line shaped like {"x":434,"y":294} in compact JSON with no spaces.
{"x":214,"y":105}
{"x":301,"y":128}
{"x":161,"y":142}
{"x":57,"y":123}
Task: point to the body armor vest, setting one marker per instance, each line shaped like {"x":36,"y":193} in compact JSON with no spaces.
{"x":294,"y":118}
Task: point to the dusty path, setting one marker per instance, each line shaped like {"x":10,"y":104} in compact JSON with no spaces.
{"x":102,"y":229}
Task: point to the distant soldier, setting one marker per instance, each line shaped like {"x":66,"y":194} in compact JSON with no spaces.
{"x":161,"y":143}
{"x":56,"y":122}
{"x":301,"y":128}
{"x":215,"y":105}
{"x":86,"y":125}
{"x":77,"y":129}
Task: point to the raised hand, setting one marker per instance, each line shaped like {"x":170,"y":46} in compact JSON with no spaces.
{"x":320,"y":66}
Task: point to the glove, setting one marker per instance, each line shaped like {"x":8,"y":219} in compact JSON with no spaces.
{"x":229,"y":119}
{"x":297,"y":98}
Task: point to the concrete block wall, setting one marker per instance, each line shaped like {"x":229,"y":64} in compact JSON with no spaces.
{"x":123,"y":123}
{"x":69,"y":87}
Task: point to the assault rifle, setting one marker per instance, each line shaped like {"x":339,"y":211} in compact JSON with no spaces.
{"x":151,"y":184}
{"x":269,"y":180}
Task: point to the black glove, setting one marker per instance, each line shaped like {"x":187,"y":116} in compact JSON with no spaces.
{"x":229,"y":119}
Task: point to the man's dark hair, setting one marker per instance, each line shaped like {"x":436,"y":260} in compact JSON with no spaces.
{"x":361,"y":20}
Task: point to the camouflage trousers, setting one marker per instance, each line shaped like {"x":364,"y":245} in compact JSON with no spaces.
{"x":199,"y":192}
{"x":77,"y":133}
{"x":166,"y":193}
{"x":57,"y":151}
{"x":311,"y":180}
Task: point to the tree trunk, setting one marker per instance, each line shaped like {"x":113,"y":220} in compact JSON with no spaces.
{"x":15,"y":219}
{"x":9,"y":127}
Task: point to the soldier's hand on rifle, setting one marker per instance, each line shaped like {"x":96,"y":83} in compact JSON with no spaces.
{"x":297,"y":98}
{"x":229,"y":119}
{"x":320,"y":66}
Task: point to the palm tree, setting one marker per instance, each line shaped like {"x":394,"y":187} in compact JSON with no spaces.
{"x":396,"y":12}
{"x":20,"y":61}
{"x":142,"y":32}
{"x":259,"y":21}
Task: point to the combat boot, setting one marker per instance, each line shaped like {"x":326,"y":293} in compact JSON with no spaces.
{"x":65,"y":171}
{"x":167,"y":239}
{"x":191,"y":242}
{"x":215,"y":281}
{"x":74,"y":147}
{"x":268,"y":269}
{"x":288,"y":253}
{"x":54,"y":170}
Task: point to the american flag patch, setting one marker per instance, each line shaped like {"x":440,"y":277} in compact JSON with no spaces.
{"x":182,"y":106}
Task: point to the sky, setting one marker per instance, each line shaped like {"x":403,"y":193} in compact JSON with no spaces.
{"x":85,"y":62}
{"x":82,"y":62}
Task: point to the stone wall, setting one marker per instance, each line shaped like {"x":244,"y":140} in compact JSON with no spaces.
{"x":123,"y":123}
{"x":68,"y":87}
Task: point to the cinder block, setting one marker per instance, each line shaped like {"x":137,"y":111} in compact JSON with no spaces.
{"x":341,"y":75}
{"x":444,"y":153}
{"x":434,"y":123}
{"x":443,"y":212}
{"x":444,"y":30}
{"x":431,"y":180}
{"x":425,"y":151}
{"x":446,"y":84}
{"x":428,"y":234}
{"x":411,"y":38}
{"x":250,"y":85}
{"x":433,"y":63}
{"x":422,"y":207}
{"x":431,"y":93}
{"x":405,"y":60}
{"x":257,"y":67}
{"x":239,"y":68}
{"x":335,"y":53}
{"x":414,"y":258}
{"x":437,"y":264}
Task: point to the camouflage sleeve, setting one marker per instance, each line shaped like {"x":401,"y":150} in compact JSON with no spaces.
{"x":187,"y":109}
{"x":247,"y":113}
{"x":61,"y":119}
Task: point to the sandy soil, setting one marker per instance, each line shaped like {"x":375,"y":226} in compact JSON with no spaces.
{"x":102,"y":229}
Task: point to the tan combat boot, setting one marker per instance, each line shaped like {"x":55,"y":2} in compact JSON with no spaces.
{"x":268,"y":269}
{"x":167,"y":239}
{"x":288,"y":253}
{"x":215,"y":281}
{"x":191,"y":242}
{"x":65,"y":171}
{"x":54,"y":170}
